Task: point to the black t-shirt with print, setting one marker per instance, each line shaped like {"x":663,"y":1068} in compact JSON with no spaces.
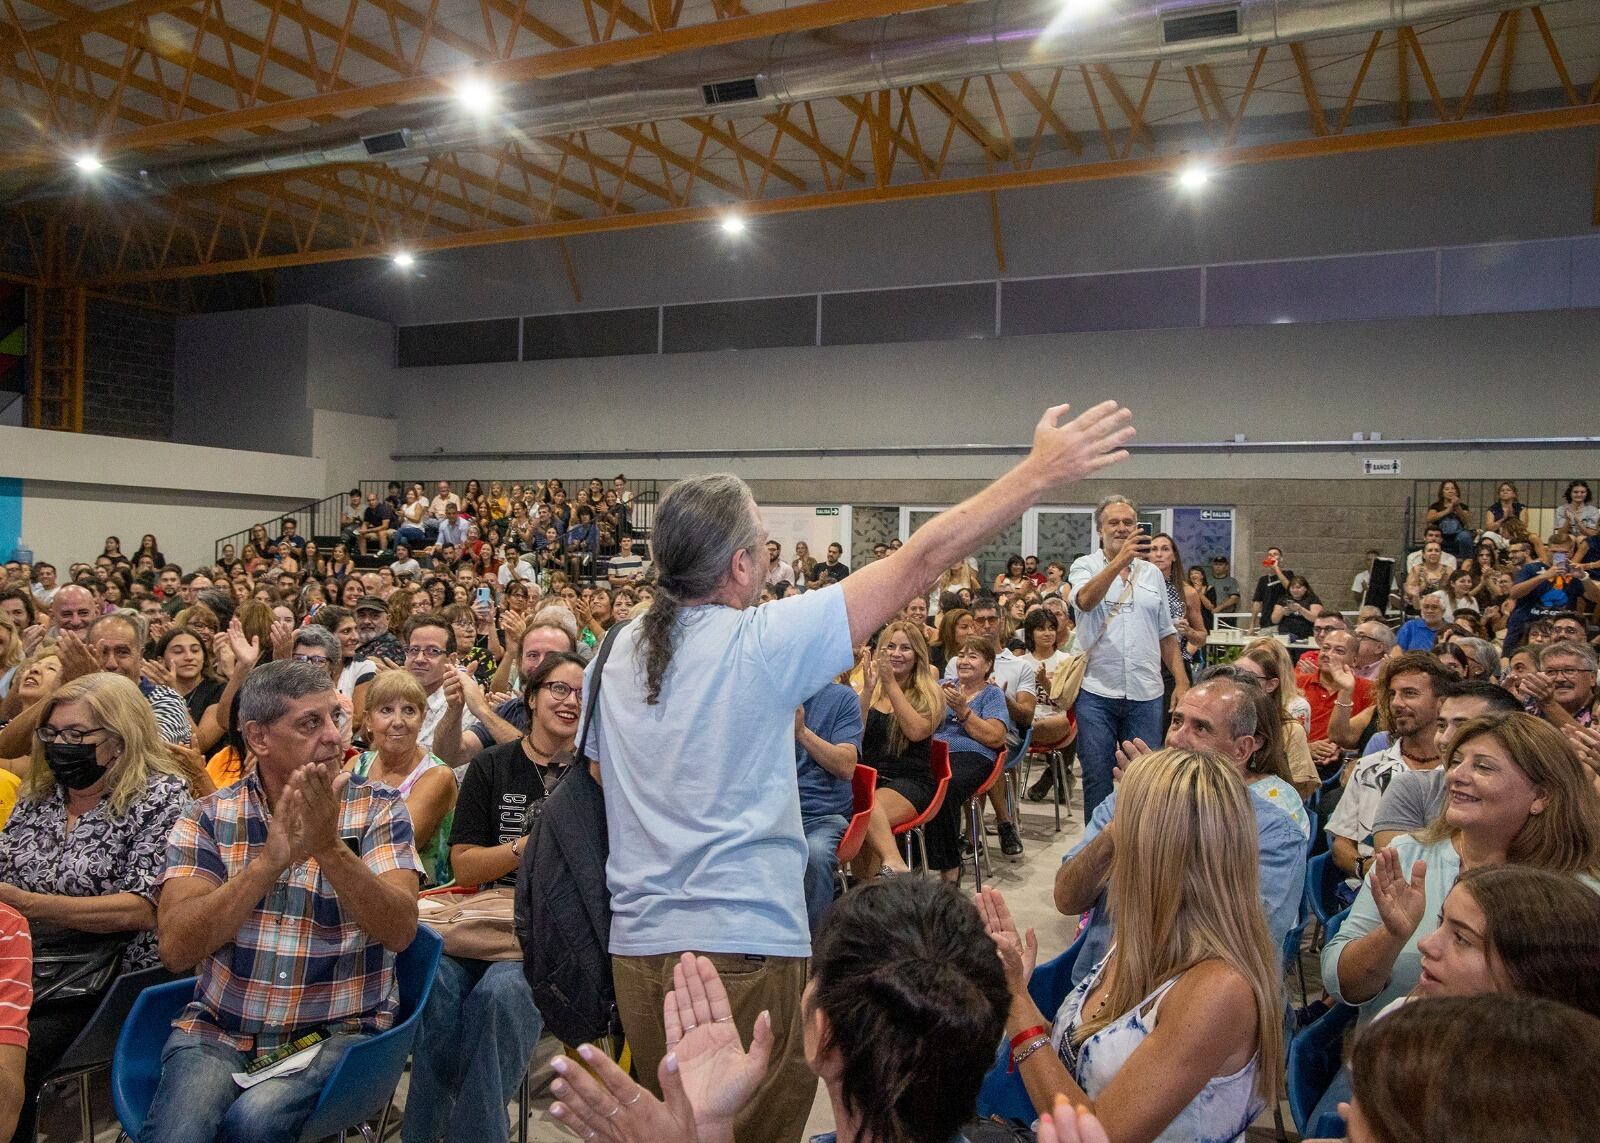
{"x":501,"y":785}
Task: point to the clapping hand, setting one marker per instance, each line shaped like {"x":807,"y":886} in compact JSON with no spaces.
{"x":156,"y":673}
{"x":1018,"y":952}
{"x":245,"y":650}
{"x":1400,"y":903}
{"x":1587,"y":744}
{"x":1129,"y":750}
{"x":76,"y":658}
{"x":318,"y":793}
{"x":717,"y":1074}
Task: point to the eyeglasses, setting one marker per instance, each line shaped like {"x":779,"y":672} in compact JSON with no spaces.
{"x":320,"y":660}
{"x":560,"y":690}
{"x":70,"y":735}
{"x":1569,"y":672}
{"x":426,"y":652}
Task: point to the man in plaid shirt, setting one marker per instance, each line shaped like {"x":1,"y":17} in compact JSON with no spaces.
{"x":288,"y":893}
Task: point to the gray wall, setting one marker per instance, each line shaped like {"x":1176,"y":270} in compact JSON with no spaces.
{"x":1533,"y":186}
{"x":241,"y":381}
{"x":1493,"y":375}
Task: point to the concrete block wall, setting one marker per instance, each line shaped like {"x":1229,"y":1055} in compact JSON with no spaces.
{"x":128,"y":371}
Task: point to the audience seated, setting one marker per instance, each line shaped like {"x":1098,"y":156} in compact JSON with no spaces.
{"x":901,"y":707}
{"x":1515,"y":793}
{"x":1192,"y":950}
{"x":1218,"y":715}
{"x":84,"y":848}
{"x":1518,"y":1068}
{"x":288,"y":893}
{"x":520,"y":586}
{"x":1410,"y":690}
{"x":973,"y":728}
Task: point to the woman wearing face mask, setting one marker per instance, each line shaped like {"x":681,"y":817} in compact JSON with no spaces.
{"x":1516,"y":793}
{"x":480,"y":1026}
{"x":901,"y":707}
{"x":395,"y":706}
{"x":85,"y":846}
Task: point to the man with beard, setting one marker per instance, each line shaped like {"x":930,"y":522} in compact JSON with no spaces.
{"x":1410,"y":690}
{"x":372,"y":626}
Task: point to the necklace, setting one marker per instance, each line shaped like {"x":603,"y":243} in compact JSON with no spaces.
{"x":543,"y":763}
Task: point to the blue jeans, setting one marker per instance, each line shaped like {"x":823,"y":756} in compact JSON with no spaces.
{"x":198,"y":1102}
{"x":478,"y":1032}
{"x":822,"y":859}
{"x":411,"y":536}
{"x":1104,"y":723}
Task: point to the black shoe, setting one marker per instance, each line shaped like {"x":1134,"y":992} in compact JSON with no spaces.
{"x":1010,"y":842}
{"x":1308,"y":1015}
{"x":1040,"y":790}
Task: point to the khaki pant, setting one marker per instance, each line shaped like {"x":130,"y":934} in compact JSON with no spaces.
{"x":782,"y":1104}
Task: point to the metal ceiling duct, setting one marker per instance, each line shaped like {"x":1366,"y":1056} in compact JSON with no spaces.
{"x":984,"y":37}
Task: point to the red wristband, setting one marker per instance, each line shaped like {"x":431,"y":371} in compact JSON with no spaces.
{"x":1023,"y":1037}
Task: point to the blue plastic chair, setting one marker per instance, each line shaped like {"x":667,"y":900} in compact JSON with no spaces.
{"x":1315,"y":1057}
{"x":1322,"y":878}
{"x":1003,"y":1093}
{"x":1331,"y":929}
{"x":360,"y":1087}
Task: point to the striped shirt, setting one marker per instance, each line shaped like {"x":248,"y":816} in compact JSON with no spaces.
{"x":16,"y":977}
{"x":300,"y":961}
{"x":172,"y":713}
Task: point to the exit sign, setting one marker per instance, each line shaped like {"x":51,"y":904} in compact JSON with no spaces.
{"x":827,"y":511}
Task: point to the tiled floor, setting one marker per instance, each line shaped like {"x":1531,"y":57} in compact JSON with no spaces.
{"x":1026,"y":882}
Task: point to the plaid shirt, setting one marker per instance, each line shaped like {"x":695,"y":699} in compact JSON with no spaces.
{"x":299,"y":962}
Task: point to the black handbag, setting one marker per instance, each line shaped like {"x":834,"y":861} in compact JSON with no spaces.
{"x":73,"y":965}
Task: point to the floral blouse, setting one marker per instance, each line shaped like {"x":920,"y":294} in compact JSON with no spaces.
{"x":102,"y":855}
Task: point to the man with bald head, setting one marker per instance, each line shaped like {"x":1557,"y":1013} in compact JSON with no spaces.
{"x":1221,"y":716}
{"x":73,"y":610}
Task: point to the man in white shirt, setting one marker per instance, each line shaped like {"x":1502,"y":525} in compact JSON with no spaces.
{"x":44,"y":587}
{"x":445,"y":498}
{"x":1125,"y":624}
{"x":693,"y":731}
{"x":1412,"y":686}
{"x":777,"y":570}
{"x":430,"y":649}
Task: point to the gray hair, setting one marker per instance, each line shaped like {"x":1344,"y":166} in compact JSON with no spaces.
{"x":271,"y":687}
{"x":316,"y":635}
{"x":1580,"y":651}
{"x":1245,"y":720}
{"x":557,"y":615}
{"x":1380,"y":631}
{"x":1483,"y":653}
{"x":1108,"y":501}
{"x":138,"y":623}
{"x":700,"y":524}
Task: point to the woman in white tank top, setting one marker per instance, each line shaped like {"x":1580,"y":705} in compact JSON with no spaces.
{"x":1178,"y":1033}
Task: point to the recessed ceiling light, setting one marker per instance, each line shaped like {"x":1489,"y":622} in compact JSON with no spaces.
{"x":476,"y":95}
{"x":405,"y":259}
{"x":733,"y":224}
{"x":1194,"y":176}
{"x":88,"y":162}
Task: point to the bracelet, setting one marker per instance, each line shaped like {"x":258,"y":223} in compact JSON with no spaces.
{"x":1336,"y":702}
{"x":1027,"y":1034}
{"x":1019,"y":1058}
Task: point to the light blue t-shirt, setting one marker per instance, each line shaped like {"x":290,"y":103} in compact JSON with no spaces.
{"x":1283,"y":877}
{"x":702,"y":806}
{"x":833,"y":714}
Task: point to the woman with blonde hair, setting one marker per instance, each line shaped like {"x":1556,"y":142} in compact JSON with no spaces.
{"x":396,"y":704}
{"x":1515,"y":792}
{"x":1267,"y":660}
{"x":86,"y":845}
{"x":901,"y":707}
{"x":1178,"y":1033}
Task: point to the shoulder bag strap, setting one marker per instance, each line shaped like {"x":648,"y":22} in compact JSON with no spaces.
{"x":594,"y":693}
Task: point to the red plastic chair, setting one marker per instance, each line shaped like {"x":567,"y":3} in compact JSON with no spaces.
{"x":1051,"y":753}
{"x":864,"y":793}
{"x":980,"y":848}
{"x":939,"y":764}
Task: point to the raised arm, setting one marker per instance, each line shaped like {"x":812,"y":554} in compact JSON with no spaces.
{"x":1060,"y":454}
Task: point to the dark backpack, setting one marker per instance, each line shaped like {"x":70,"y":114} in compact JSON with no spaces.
{"x":563,"y":908}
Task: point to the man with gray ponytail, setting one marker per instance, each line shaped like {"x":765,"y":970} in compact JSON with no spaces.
{"x":694,"y":734}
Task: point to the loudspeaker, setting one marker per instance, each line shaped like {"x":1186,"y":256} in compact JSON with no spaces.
{"x":1380,"y":585}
